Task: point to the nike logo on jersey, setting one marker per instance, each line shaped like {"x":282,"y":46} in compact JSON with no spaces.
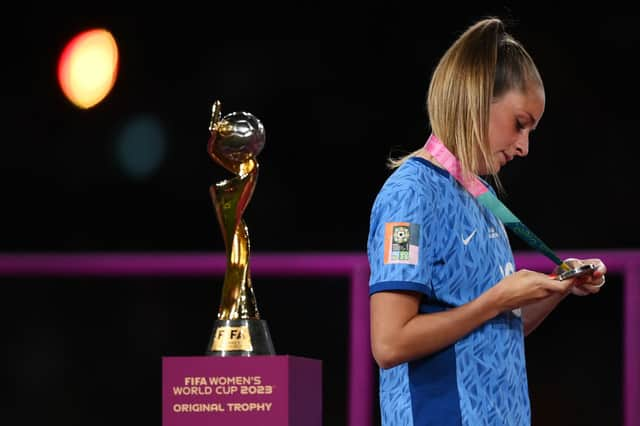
{"x":466,"y":241}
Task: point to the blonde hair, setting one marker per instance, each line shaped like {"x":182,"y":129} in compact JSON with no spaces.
{"x":484,"y":63}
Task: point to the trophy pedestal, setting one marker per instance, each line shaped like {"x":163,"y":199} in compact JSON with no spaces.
{"x":241,"y":337}
{"x":279,"y":390}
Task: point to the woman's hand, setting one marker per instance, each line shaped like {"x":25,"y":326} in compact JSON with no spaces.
{"x":587,"y":284}
{"x":525,"y":287}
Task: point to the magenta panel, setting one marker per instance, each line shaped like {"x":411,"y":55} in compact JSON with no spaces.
{"x":277,"y":390}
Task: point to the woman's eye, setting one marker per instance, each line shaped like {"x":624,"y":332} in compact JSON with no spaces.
{"x":519,"y":125}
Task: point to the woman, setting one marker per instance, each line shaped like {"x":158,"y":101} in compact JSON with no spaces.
{"x":448,"y":310}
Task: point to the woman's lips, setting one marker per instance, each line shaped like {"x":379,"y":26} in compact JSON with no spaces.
{"x":505,"y":158}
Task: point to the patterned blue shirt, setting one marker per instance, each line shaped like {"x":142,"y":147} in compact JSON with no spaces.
{"x":428,"y":234}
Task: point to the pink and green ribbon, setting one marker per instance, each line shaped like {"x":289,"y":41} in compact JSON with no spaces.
{"x":486,"y":198}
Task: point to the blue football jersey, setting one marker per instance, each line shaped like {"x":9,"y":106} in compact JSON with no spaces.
{"x":428,"y":234}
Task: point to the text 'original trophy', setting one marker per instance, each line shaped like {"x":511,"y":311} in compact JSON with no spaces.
{"x":235,"y":142}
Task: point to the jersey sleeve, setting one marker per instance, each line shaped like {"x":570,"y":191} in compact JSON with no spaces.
{"x":398,"y":241}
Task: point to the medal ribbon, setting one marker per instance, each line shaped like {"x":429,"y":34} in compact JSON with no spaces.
{"x":486,"y":198}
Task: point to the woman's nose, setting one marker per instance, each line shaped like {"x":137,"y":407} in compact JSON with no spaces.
{"x":522,"y":145}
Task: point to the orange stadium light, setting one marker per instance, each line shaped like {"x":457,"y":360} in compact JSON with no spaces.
{"x":88,"y":67}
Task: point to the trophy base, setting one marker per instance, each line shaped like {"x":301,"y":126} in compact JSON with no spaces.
{"x":241,"y":337}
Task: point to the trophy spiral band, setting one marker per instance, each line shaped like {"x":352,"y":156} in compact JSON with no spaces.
{"x":235,"y":142}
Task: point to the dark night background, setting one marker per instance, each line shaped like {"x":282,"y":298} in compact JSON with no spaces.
{"x":337,"y":91}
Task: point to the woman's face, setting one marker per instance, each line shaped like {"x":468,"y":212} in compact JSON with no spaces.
{"x":511,"y":118}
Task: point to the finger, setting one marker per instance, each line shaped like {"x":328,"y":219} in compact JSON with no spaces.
{"x":579,"y":291}
{"x":557,"y":286}
{"x":594,"y":281}
{"x":586,"y":289}
{"x":573,"y":262}
{"x":601,"y":281}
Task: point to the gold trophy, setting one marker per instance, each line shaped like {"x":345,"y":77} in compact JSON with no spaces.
{"x":235,"y":142}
